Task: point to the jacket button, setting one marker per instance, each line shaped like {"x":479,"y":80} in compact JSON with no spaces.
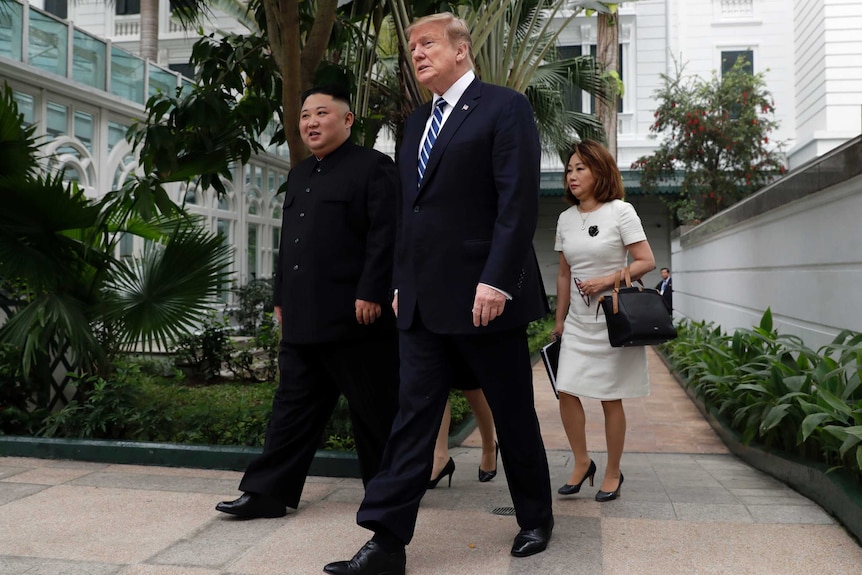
{"x":296,"y":267}
{"x":296,"y":241}
{"x":415,"y":209}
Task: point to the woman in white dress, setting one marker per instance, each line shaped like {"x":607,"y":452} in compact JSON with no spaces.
{"x":595,"y":237}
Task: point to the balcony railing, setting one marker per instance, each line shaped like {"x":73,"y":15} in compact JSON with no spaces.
{"x":38,"y":39}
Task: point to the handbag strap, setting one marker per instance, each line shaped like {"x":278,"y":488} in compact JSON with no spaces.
{"x":618,"y":279}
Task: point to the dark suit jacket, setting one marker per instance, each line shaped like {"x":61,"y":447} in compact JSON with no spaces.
{"x":667,"y":296}
{"x":337,"y":237}
{"x":474,"y":217}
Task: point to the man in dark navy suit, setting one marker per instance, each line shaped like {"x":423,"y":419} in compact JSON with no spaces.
{"x":332,"y":298}
{"x":665,"y":288}
{"x":467,"y":284}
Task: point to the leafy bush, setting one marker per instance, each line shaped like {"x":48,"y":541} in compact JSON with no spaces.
{"x":254,"y":304}
{"x":17,"y":414}
{"x":773,"y":389}
{"x":205,"y":352}
{"x":112,"y":409}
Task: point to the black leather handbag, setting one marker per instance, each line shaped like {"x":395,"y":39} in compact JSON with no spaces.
{"x":636,"y":315}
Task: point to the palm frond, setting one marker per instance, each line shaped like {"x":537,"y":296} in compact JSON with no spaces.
{"x":159,"y":297}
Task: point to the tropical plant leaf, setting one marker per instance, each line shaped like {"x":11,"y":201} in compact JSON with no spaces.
{"x":774,"y":417}
{"x":812,"y":422}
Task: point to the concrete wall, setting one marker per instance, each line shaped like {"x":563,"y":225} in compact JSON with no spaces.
{"x":793,"y":247}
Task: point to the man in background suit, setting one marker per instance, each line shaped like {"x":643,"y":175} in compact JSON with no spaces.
{"x":332,"y":298}
{"x":665,"y":288}
{"x":467,"y":284}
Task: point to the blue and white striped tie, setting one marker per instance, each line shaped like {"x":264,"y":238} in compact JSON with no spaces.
{"x":431,"y":137}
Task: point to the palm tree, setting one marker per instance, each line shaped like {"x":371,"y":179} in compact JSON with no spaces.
{"x":76,"y":300}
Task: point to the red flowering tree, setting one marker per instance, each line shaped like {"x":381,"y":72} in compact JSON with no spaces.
{"x":716,"y":141}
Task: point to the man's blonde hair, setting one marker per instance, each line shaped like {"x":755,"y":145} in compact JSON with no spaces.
{"x":455,"y":30}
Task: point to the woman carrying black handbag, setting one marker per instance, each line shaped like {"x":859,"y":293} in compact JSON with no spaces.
{"x":595,"y":238}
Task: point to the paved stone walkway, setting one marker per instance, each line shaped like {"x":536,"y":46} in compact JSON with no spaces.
{"x":687,"y":507}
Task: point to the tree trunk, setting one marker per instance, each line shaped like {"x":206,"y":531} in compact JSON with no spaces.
{"x":607,"y":54}
{"x":297,"y":63}
{"x":149,"y":49}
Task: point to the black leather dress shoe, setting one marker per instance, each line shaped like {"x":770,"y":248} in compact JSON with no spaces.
{"x":253,"y":506}
{"x":371,"y":560}
{"x":531,"y":541}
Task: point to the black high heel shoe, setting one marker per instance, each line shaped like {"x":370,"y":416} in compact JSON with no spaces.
{"x":448,"y":469}
{"x":572,"y":489}
{"x":486,"y":476}
{"x":603,"y":496}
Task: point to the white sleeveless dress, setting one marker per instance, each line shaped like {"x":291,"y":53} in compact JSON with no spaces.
{"x":589,"y":366}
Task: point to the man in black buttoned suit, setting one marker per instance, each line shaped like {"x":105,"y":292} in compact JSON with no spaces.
{"x":665,"y":288}
{"x":333,"y":299}
{"x":467,"y":285}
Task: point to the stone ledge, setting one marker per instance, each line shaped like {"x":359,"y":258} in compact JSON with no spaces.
{"x":836,"y":492}
{"x":235,"y":458}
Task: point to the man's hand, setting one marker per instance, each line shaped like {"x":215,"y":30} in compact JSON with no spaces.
{"x":487,"y":305}
{"x":395,"y":304}
{"x":366,"y":311}
{"x":277,"y":311}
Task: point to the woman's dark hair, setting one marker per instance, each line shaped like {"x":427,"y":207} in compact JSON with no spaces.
{"x":609,"y":181}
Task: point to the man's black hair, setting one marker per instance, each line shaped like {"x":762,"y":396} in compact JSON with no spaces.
{"x":337,"y":92}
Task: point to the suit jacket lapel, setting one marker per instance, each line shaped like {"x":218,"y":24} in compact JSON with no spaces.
{"x":468,"y":102}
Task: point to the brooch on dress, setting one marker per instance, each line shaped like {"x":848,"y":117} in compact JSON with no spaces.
{"x":593,"y":231}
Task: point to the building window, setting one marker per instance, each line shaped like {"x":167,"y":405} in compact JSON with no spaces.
{"x":729,"y":58}
{"x":573,"y":98}
{"x":58,"y":8}
{"x":185,"y":70}
{"x":127,"y":7}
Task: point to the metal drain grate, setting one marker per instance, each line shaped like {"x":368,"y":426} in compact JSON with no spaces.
{"x":503,"y":511}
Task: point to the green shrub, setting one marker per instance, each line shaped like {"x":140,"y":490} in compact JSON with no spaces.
{"x":773,"y":389}
{"x":204,"y":353}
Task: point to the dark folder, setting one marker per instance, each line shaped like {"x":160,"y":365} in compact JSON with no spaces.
{"x":551,"y":357}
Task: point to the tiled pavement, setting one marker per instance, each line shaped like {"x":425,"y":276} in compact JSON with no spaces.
{"x":687,"y":507}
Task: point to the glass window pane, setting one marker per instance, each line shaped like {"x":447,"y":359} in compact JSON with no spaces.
{"x":127,"y":75}
{"x":84,"y":129}
{"x":124,"y":7}
{"x":251,"y":251}
{"x":127,"y":245}
{"x":162,"y":81}
{"x":11,"y":30}
{"x":276,"y":237}
{"x":186,"y":70}
{"x":728,"y":59}
{"x":48,"y":45}
{"x":116,"y":134}
{"x":572,"y":95}
{"x":58,"y":8}
{"x":89,"y":60}
{"x":57,"y":124}
{"x":26,"y":106}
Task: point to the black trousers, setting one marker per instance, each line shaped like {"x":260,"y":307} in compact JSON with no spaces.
{"x":311,"y":378}
{"x":501,"y":364}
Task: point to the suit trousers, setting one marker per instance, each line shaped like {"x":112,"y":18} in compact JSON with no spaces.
{"x":311,"y":378}
{"x":500,"y":362}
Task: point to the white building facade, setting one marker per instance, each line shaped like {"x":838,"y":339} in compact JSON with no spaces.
{"x":810,"y":52}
